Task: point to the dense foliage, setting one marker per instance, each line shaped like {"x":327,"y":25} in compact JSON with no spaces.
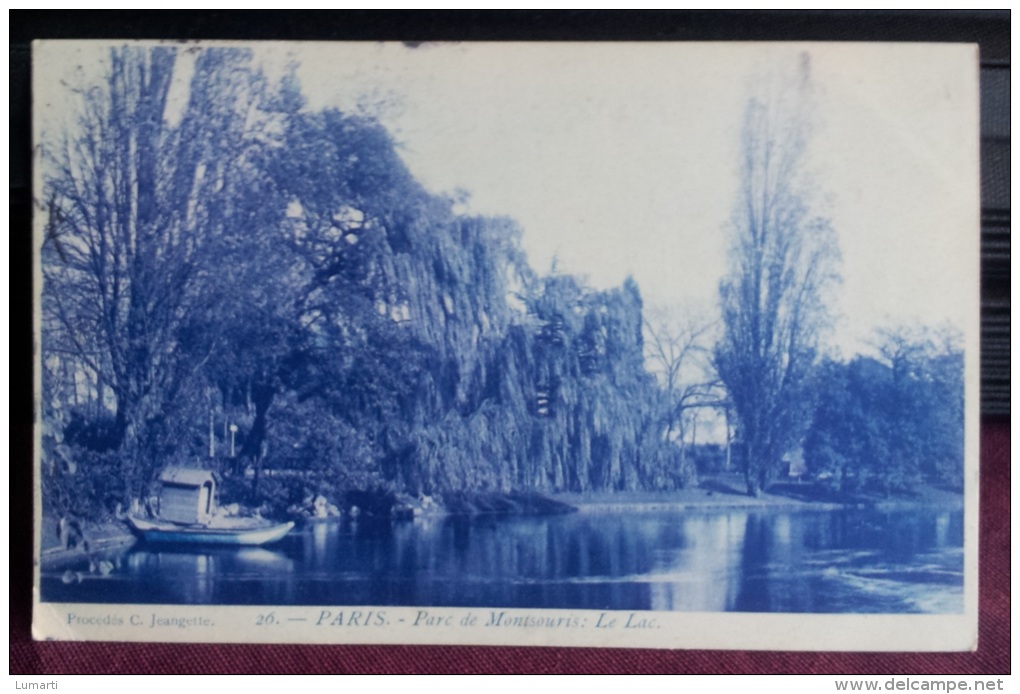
{"x":256,"y":287}
{"x":890,"y":423}
{"x":234,"y":281}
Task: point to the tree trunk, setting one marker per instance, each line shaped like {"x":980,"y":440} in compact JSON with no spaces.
{"x":729,"y":442}
{"x":753,"y":480}
{"x":261,"y":398}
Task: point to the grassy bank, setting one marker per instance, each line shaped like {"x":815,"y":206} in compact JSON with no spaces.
{"x":728,"y":492}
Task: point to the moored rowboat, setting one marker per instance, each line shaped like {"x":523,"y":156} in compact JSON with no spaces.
{"x":236,"y":534}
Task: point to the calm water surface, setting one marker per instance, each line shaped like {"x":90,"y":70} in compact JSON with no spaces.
{"x":742,"y":561}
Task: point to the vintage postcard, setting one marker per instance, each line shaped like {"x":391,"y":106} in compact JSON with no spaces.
{"x":601,"y":344}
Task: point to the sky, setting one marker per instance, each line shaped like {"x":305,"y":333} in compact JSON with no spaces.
{"x":622,"y":159}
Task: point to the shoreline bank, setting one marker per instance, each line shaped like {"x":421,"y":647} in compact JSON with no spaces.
{"x":709,"y":497}
{"x":719,"y":494}
{"x":102,"y":538}
{"x":764,"y":503}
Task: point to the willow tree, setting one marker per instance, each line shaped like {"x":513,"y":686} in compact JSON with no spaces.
{"x":782,"y":257}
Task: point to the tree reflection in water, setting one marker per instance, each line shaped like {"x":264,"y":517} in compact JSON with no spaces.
{"x":743,"y":561}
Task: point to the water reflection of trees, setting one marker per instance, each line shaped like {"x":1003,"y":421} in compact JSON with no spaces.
{"x":230,"y":576}
{"x":713,"y":562}
{"x":702,"y":575}
{"x":842,"y":561}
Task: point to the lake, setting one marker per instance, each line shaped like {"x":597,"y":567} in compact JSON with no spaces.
{"x":841,"y":561}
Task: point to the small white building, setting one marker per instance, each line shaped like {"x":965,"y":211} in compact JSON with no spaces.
{"x":188,"y":496}
{"x":796,"y":467}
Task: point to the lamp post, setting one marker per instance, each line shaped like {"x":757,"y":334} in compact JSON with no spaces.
{"x":233,"y":430}
{"x":212,"y":434}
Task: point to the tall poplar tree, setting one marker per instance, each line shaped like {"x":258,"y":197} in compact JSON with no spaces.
{"x":783,"y":257}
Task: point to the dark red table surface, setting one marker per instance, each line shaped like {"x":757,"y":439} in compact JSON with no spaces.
{"x":992,"y":656}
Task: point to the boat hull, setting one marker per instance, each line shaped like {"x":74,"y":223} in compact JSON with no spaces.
{"x":166,"y":533}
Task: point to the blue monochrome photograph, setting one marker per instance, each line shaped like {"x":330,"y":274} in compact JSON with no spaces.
{"x":512,"y":341}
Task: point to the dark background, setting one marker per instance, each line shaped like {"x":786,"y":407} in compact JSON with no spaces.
{"x":990,"y":29}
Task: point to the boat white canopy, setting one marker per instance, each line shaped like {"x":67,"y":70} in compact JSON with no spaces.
{"x":188,"y":495}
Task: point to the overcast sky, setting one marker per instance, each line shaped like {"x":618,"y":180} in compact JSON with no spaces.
{"x":622,"y":158}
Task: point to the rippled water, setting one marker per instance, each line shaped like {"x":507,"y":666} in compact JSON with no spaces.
{"x":743,"y":561}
